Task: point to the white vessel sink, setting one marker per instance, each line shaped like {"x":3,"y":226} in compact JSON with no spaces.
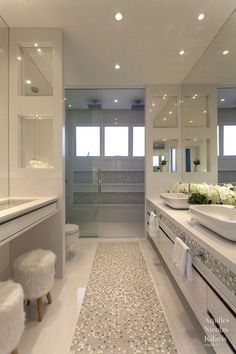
{"x":175,"y":200}
{"x":218,"y":218}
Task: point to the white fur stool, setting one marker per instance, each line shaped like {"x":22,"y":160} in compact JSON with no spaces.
{"x":12,"y":316}
{"x":34,"y":270}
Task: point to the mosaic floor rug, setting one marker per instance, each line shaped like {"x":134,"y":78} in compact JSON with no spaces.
{"x":121,"y":312}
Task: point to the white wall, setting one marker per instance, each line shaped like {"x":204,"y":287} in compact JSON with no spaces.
{"x":38,"y":182}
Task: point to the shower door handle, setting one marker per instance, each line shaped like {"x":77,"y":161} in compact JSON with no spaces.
{"x":99,"y":175}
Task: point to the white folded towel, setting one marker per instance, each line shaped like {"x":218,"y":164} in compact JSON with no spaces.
{"x":182,"y":259}
{"x":153,"y":227}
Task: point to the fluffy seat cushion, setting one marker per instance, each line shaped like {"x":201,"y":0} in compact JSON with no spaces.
{"x":12,"y":316}
{"x":34,"y":270}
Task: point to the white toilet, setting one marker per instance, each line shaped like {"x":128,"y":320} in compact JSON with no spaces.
{"x":71,"y":233}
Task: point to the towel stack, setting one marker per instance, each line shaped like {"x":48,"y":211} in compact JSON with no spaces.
{"x":182,"y":259}
{"x":153,"y":225}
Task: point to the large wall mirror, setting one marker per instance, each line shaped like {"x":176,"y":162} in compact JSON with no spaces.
{"x":3,"y":110}
{"x":209,"y":106}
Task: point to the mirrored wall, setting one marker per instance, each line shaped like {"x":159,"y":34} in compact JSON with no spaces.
{"x":4,"y":183}
{"x":209,"y":110}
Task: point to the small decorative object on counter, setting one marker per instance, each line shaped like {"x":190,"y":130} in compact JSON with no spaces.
{"x":196,"y":163}
{"x":163,"y":165}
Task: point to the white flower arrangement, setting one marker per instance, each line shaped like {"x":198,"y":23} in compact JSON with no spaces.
{"x":211,"y":194}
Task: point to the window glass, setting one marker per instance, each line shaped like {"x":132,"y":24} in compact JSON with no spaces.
{"x":116,"y":141}
{"x":138,"y":141}
{"x":229,"y":140}
{"x":87,"y":141}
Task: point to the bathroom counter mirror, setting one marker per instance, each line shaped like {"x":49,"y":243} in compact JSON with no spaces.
{"x":208,"y":111}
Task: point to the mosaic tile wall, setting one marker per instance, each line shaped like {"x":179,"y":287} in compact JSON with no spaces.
{"x":112,"y":177}
{"x":121,"y":312}
{"x":225,"y":275}
{"x":106,"y":198}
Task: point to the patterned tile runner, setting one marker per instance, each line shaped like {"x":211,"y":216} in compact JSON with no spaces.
{"x":121,"y":312}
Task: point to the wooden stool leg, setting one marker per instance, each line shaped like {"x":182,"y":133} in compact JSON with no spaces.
{"x":49,"y":297}
{"x":15,"y":351}
{"x":39,"y":302}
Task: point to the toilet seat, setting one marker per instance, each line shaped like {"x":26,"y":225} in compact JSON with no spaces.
{"x":71,"y":233}
{"x":71,"y":229}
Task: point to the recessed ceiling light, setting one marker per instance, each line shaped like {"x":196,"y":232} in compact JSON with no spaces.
{"x":153,"y":104}
{"x":39,"y":50}
{"x":170,"y":112}
{"x":19,"y":58}
{"x":205,"y":112}
{"x":64,"y":98}
{"x":222,"y":100}
{"x":36,"y":45}
{"x":40,"y":117}
{"x":190,"y":121}
{"x":69,"y":105}
{"x":194,"y":97}
{"x":118,"y":16}
{"x":225,"y":52}
{"x":181,"y":52}
{"x":28,"y":82}
{"x":117,"y":66}
{"x":36,"y":115}
{"x":201,"y":17}
{"x":164,"y":118}
{"x":164,"y":97}
{"x":116,"y":101}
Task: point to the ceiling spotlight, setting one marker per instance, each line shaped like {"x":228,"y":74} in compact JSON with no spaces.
{"x":164,"y":118}
{"x":36,"y":115}
{"x":19,"y":58}
{"x":225,"y":52}
{"x":190,"y":121}
{"x":164,"y":97}
{"x":153,"y":104}
{"x":170,"y":112}
{"x":36,"y":45}
{"x":181,"y":52}
{"x":118,"y":16}
{"x":201,"y":17}
{"x":222,"y":100}
{"x":69,"y":105}
{"x":39,"y":117}
{"x":116,"y":101}
{"x":28,"y":82}
{"x":117,"y":66}
{"x":205,"y":112}
{"x":39,"y":50}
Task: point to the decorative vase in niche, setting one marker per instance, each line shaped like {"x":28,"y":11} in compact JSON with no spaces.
{"x":196,"y":168}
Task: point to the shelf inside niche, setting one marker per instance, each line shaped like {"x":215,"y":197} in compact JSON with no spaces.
{"x":36,"y":142}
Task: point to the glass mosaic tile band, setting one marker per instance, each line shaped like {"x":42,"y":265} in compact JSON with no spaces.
{"x":108,"y":198}
{"x":121,"y":312}
{"x":109,"y":177}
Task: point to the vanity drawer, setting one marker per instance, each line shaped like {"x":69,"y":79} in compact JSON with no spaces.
{"x":224,"y":316}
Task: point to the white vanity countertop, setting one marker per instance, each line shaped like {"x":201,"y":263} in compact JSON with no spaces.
{"x":223,"y":248}
{"x":29,"y":204}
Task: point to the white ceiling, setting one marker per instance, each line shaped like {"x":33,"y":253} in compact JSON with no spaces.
{"x":146,"y":43}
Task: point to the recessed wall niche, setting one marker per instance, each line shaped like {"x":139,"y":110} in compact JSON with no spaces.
{"x":36,"y":142}
{"x":164,"y":155}
{"x":195,"y":111}
{"x":36,"y":71}
{"x":164,"y":111}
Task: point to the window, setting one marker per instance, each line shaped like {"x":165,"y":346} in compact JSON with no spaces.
{"x":218,"y":140}
{"x":138,"y":141}
{"x":87,"y":141}
{"x":116,"y":141}
{"x":173,"y":159}
{"x":229,"y":140}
